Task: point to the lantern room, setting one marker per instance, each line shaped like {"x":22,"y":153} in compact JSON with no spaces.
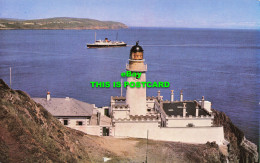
{"x":136,"y":52}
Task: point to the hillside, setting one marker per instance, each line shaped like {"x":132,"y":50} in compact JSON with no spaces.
{"x":59,"y":23}
{"x":29,"y":133}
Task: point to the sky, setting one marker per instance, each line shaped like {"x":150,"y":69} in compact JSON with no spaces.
{"x":243,"y":14}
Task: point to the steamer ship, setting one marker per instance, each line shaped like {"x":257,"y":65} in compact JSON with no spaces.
{"x":106,"y":43}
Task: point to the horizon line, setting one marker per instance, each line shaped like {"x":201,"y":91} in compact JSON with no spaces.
{"x":240,"y":28}
{"x":130,"y":26}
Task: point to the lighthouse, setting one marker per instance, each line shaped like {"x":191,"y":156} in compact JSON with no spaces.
{"x":136,"y":97}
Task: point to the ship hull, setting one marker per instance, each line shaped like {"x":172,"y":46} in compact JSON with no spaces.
{"x":104,"y":46}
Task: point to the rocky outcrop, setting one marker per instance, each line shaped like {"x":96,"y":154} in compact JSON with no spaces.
{"x":248,"y":151}
{"x":240,"y":149}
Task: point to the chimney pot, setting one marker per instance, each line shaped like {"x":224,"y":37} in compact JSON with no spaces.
{"x":197,"y":109}
{"x":184,"y":110}
{"x":202,"y":102}
{"x":159,"y":95}
{"x":48,"y":96}
{"x":172,"y":96}
{"x":181,"y":96}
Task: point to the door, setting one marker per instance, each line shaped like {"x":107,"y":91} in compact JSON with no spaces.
{"x":107,"y":112}
{"x":105,"y":131}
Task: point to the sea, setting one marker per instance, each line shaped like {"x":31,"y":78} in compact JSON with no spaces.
{"x":220,"y":64}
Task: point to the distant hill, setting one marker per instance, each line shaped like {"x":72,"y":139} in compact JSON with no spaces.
{"x":59,"y":23}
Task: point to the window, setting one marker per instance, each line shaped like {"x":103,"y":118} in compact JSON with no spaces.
{"x":79,"y":123}
{"x":65,"y":122}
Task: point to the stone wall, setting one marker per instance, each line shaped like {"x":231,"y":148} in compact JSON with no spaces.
{"x":121,"y":114}
{"x":184,"y":122}
{"x":93,"y":130}
{"x":137,"y":129}
{"x":198,"y":135}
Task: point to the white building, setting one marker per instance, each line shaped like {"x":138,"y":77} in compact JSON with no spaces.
{"x":136,"y":114}
{"x":78,"y":115}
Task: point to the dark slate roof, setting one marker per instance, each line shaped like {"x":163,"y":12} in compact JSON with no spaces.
{"x":176,"y":108}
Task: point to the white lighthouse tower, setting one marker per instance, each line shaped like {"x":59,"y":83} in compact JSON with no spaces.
{"x":136,"y":97}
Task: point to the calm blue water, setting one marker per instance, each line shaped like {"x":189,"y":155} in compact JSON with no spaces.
{"x":221,"y":65}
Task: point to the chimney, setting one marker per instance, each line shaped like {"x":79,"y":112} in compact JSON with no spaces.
{"x":202,"y":102}
{"x":197,"y":109}
{"x":172,"y":96}
{"x":98,"y":118}
{"x":184,"y":110}
{"x":181,"y":97}
{"x":48,"y":96}
{"x":159,"y":95}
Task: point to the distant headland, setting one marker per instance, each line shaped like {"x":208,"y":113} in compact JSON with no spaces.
{"x":59,"y":23}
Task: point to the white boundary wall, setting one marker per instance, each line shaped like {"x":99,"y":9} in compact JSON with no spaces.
{"x":93,"y":130}
{"x":183,"y":122}
{"x":197,"y":135}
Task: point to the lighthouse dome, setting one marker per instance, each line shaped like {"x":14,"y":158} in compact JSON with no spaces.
{"x":136,"y":48}
{"x":136,"y":52}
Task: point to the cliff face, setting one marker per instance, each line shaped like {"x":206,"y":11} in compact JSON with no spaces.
{"x":60,"y":23}
{"x":240,"y":150}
